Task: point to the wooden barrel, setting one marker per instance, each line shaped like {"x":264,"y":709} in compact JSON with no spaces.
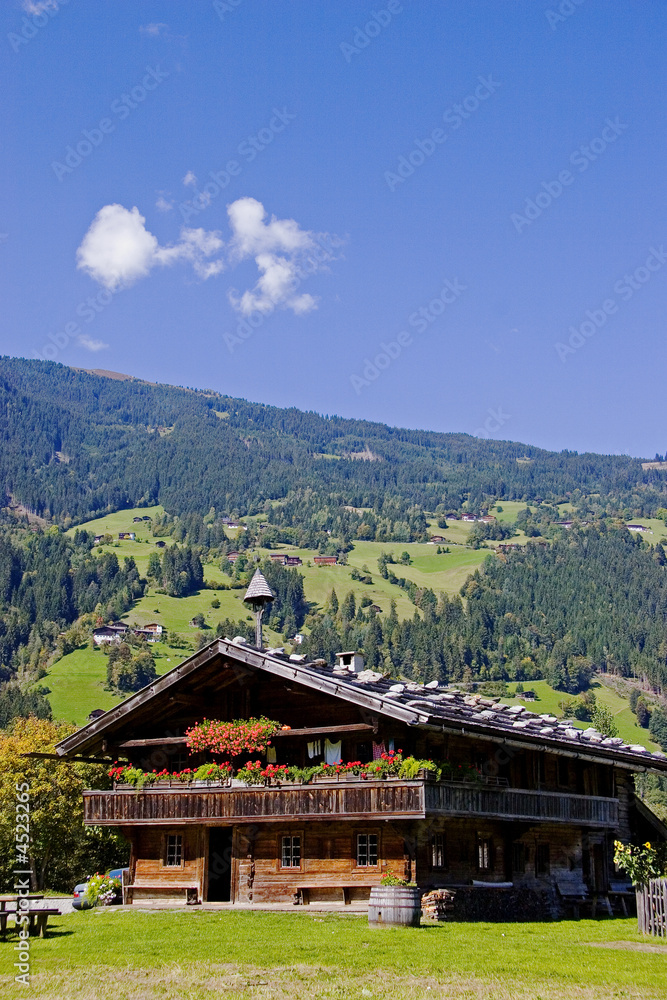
{"x":395,"y":905}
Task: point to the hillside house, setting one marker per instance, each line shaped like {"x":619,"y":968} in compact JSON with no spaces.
{"x":293,"y":561}
{"x":325,"y":560}
{"x":232,"y":557}
{"x":524,"y":816}
{"x":126,"y":536}
{"x":487,"y":519}
{"x":468,"y":517}
{"x":106,"y":634}
{"x":137,"y":520}
{"x":437,"y":538}
{"x":160,"y":544}
{"x":97,"y":539}
{"x":153,"y":627}
{"x":638,"y":527}
{"x":278,"y":557}
{"x":147,"y":634}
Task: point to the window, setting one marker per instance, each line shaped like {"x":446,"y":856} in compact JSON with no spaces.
{"x":484,"y":853}
{"x":179,"y":762}
{"x":542,"y":859}
{"x":438,"y":850}
{"x":519,"y":858}
{"x":367,"y":850}
{"x":291,"y":852}
{"x":563,"y":772}
{"x":174,"y":851}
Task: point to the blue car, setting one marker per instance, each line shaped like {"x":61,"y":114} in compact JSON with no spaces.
{"x":79,"y":902}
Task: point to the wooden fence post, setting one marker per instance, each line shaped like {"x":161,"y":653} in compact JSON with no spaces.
{"x":652,"y":908}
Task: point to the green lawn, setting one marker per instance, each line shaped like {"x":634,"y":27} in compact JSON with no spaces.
{"x":551,"y":702}
{"x":113,"y":953}
{"x":509,"y":512}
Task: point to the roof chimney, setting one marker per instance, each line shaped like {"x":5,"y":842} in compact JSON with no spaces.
{"x":258,"y":594}
{"x":351,"y":661}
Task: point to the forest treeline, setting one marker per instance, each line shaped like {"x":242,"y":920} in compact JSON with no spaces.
{"x":75,"y":445}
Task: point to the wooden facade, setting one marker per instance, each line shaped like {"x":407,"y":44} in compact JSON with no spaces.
{"x":542,"y":811}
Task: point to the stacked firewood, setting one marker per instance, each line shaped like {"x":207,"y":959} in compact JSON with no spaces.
{"x":436,"y":905}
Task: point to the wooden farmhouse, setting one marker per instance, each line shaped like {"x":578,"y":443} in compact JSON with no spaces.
{"x":522,"y":824}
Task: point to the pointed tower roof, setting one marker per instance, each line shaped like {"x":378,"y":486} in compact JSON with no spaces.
{"x":259,"y":590}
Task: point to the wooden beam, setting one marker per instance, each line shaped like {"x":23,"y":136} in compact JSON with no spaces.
{"x":354,"y":727}
{"x":69,"y":760}
{"x":158,"y":742}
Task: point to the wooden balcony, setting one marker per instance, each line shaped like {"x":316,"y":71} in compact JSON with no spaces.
{"x":360,"y":800}
{"x":452,"y":799}
{"x":342,"y":800}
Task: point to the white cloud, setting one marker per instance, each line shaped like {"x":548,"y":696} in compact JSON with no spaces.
{"x":35,"y":7}
{"x":153,"y":29}
{"x":90,"y":344}
{"x":279,"y":247}
{"x":117,"y":250}
{"x":163,"y":205}
{"x":190,"y":180}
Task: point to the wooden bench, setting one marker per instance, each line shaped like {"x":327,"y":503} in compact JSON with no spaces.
{"x":574,"y":893}
{"x":619,"y":893}
{"x":38,"y":919}
{"x":302,"y":891}
{"x":168,"y":888}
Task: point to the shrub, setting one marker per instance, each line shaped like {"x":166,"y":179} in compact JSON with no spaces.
{"x":102,"y":890}
{"x":641,"y":863}
{"x":603,"y":720}
{"x":643,"y":714}
{"x":658,"y":727}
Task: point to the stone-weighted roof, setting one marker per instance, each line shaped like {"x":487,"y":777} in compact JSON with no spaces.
{"x":430,"y":705}
{"x":440,"y":702}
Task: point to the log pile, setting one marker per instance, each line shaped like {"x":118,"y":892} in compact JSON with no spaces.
{"x":438,"y":904}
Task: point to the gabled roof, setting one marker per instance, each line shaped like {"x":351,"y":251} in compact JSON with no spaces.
{"x":431,"y":706}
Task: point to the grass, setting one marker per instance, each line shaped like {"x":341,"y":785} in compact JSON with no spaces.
{"x":551,"y":702}
{"x":118,"y":953}
{"x":510,"y":509}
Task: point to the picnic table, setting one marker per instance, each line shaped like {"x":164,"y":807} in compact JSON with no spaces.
{"x":38,"y":916}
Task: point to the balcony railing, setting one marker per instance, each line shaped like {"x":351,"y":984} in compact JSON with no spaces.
{"x":335,"y":800}
{"x":340,"y":800}
{"x":518,"y":803}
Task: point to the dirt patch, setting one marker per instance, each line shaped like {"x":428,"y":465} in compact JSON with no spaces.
{"x":216,"y":981}
{"x":657,"y":949}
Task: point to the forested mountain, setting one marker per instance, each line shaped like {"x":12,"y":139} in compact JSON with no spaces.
{"x":74,"y":445}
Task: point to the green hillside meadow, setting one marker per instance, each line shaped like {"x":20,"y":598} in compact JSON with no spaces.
{"x":77,"y":682}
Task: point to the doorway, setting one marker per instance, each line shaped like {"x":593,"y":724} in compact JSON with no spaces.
{"x":219,"y":880}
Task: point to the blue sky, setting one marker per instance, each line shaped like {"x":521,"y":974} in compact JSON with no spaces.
{"x":446,"y":215}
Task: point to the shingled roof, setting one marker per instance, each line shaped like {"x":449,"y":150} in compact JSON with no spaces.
{"x":431,"y":705}
{"x":259,"y":589}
